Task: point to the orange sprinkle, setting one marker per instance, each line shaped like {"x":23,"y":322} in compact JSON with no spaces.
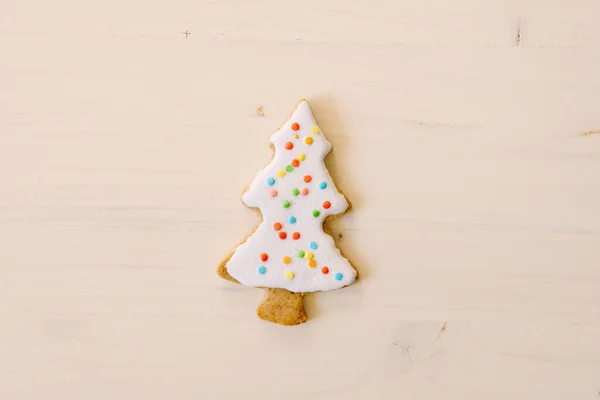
{"x":308,"y":140}
{"x":277,"y":226}
{"x":325,"y":270}
{"x":307,"y":178}
{"x":295,"y":126}
{"x":289,"y":145}
{"x":273,"y":193}
{"x":296,"y":235}
{"x":304,"y":191}
{"x":326,"y":204}
{"x":282,"y":235}
{"x":312,"y":263}
{"x":295,"y":163}
{"x":264,"y":257}
{"x":295,"y":136}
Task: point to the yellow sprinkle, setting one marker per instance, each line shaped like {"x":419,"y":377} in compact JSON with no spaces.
{"x":308,"y":140}
{"x":312,"y":263}
{"x":309,"y":255}
{"x":315,"y":129}
{"x":281,"y":173}
{"x":301,"y":156}
{"x":289,"y":275}
{"x":286,"y":260}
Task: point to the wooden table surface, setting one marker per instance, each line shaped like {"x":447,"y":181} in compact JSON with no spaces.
{"x":459,"y":130}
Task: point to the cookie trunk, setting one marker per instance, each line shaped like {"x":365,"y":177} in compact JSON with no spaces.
{"x":282,"y":307}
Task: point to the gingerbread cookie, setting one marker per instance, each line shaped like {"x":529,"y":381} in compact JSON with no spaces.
{"x":290,"y":253}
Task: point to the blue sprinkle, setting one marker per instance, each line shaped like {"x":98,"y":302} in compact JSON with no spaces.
{"x":292,"y":220}
{"x":263,"y":270}
{"x":323,"y":185}
{"x":270,"y":181}
{"x":313,"y":245}
{"x":339,"y":276}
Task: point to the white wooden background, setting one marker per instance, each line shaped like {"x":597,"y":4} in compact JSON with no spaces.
{"x":124,"y":149}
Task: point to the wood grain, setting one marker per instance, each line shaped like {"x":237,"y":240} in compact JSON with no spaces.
{"x":124,"y":148}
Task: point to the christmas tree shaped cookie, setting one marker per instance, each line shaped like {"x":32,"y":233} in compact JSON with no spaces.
{"x":290,"y":253}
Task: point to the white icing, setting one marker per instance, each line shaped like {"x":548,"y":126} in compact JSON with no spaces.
{"x":245,"y":263}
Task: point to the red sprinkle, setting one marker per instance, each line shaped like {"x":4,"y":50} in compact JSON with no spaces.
{"x":326,"y":204}
{"x":307,"y":178}
{"x":289,"y":145}
{"x":277,"y":226}
{"x":325,"y":270}
{"x":296,"y":235}
{"x":295,"y":126}
{"x":282,"y":235}
{"x":264,"y":257}
{"x":295,"y":163}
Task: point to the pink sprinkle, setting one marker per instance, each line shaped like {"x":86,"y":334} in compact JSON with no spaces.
{"x":304,"y":191}
{"x":273,"y":193}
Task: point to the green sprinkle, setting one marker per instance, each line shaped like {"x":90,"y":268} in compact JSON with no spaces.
{"x":289,"y":168}
{"x":316,"y":213}
{"x":286,"y":204}
{"x":301,"y":253}
{"x":295,"y":191}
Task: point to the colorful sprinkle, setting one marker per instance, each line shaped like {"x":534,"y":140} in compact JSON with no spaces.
{"x":296,"y":235}
{"x":286,"y":204}
{"x":273,"y":193}
{"x":325,"y":270}
{"x":282,"y":235}
{"x":295,"y":191}
{"x":314,"y":245}
{"x":301,"y":253}
{"x":292,"y":220}
{"x":307,"y":178}
{"x":264,"y":257}
{"x":295,"y":126}
{"x":308,"y":140}
{"x":277,"y":226}
{"x":287,"y":260}
{"x":322,"y":185}
{"x":289,"y":145}
{"x":295,"y":163}
{"x":315,"y":129}
{"x":326,"y":204}
{"x":316,"y":213}
{"x":312,"y":263}
{"x":304,"y":191}
{"x":270,"y":181}
{"x":295,"y":136}
{"x":309,"y":255}
{"x":339,"y":276}
{"x":262,"y":270}
{"x":289,"y":168}
{"x":289,"y":275}
{"x":281,"y":173}
{"x":301,"y":156}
